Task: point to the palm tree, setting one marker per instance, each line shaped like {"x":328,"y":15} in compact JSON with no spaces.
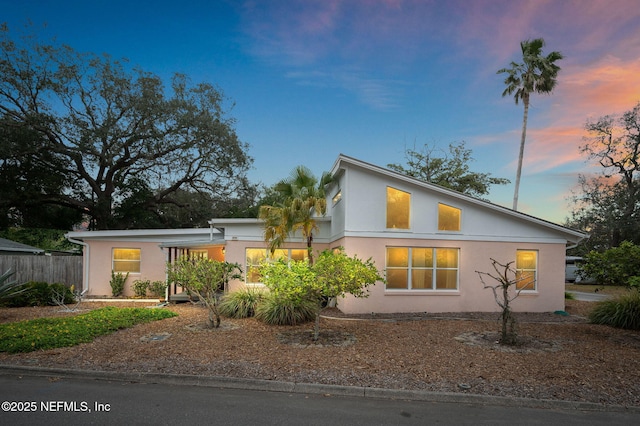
{"x":302,"y":200}
{"x":536,"y":74}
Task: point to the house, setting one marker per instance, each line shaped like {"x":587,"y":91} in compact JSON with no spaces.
{"x":9,"y":247}
{"x":428,"y":241}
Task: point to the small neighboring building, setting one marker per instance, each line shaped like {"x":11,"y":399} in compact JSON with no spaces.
{"x":9,"y":247}
{"x":428,"y":242}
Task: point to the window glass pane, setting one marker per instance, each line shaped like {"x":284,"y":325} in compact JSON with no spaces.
{"x":525,"y":280}
{"x":422,"y":257}
{"x":126,"y":260}
{"x":447,"y":258}
{"x":397,"y":278}
{"x":526,"y":259}
{"x":279,"y":254}
{"x":446,"y":279}
{"x":254,"y":258}
{"x":422,"y":278}
{"x":299,"y":254}
{"x":397,"y":257}
{"x":448,"y":218}
{"x":398,"y":207}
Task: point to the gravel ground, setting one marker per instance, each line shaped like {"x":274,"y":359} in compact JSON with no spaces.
{"x":560,"y":357}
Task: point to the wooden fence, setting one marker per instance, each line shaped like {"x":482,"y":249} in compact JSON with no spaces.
{"x":52,"y":269}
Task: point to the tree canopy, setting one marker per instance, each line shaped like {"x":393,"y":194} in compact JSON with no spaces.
{"x":608,"y":203}
{"x":449,"y":169}
{"x":535,"y":74}
{"x":112,"y":141}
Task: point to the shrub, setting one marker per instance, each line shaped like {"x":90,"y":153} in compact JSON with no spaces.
{"x":39,"y":293}
{"x":117,"y":283}
{"x":9,"y":288}
{"x":241,"y":303}
{"x":158,"y":288}
{"x":616,"y":266}
{"x":140,"y":287}
{"x":274,"y":310}
{"x":621,"y":312}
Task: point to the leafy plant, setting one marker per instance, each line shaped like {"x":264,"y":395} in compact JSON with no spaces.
{"x":282,"y":310}
{"x":140,"y":287}
{"x":48,"y":333}
{"x":117,"y":283}
{"x":615,"y":266}
{"x":621,"y":312}
{"x":158,"y":288}
{"x":9,"y":288}
{"x":241,"y":303}
{"x":204,"y":278}
{"x":40,"y":293}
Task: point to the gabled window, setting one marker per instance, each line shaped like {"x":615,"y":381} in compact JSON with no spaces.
{"x":126,"y":260}
{"x":526,"y":270}
{"x":398,"y":208}
{"x":422,"y":268}
{"x":448,"y":218}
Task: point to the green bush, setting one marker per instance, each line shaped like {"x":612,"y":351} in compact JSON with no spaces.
{"x":117,"y":283}
{"x":274,"y":310}
{"x":241,"y":303}
{"x":140,"y":287}
{"x":616,"y":266}
{"x":158,"y":288}
{"x":9,"y":288}
{"x":621,"y":312}
{"x":39,"y":293}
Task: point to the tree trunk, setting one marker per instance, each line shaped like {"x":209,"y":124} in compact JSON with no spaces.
{"x":521,"y":156}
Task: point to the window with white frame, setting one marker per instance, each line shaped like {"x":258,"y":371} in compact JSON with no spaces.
{"x":526,"y":270}
{"x":256,"y":256}
{"x":398,"y":209}
{"x":125,"y":260}
{"x":422,"y":268}
{"x":448,"y":218}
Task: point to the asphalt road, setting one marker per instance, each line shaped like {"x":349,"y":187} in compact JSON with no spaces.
{"x":40,"y":400}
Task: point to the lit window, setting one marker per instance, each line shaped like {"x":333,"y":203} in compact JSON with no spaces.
{"x":420,"y":268}
{"x":126,"y":260}
{"x":448,"y":218}
{"x":255,"y":257}
{"x":398,"y":207}
{"x":526,"y":269}
{"x":199,"y":254}
{"x":337,"y":197}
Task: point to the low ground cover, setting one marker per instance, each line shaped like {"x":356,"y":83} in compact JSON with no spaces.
{"x":48,"y":333}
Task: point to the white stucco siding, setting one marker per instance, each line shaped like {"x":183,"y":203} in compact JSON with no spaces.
{"x":470,"y":295}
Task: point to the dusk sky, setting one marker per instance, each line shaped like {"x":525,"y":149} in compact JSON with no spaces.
{"x":311,"y":79}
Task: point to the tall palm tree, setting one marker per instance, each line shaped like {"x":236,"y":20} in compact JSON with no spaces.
{"x":536,"y":74}
{"x":302,"y":200}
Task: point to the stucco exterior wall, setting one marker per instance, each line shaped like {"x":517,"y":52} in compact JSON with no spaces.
{"x":152,"y":265}
{"x":470,"y":296}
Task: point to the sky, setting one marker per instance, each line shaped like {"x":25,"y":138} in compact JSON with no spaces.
{"x":307,"y":80}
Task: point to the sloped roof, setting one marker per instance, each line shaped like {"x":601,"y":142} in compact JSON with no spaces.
{"x":13,"y":246}
{"x":571,"y":234}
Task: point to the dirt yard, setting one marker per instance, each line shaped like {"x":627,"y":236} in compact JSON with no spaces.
{"x":560,"y":358}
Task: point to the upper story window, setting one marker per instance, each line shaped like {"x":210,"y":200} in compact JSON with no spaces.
{"x":398,"y":208}
{"x":337,"y":197}
{"x":526,"y":269}
{"x":126,"y":260}
{"x":448,"y":218}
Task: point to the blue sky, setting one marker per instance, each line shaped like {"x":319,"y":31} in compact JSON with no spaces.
{"x":311,"y":79}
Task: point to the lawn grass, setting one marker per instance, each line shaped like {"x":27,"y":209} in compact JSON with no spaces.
{"x":591,"y":288}
{"x":48,"y":333}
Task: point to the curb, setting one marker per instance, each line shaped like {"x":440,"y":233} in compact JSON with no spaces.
{"x":313,"y":388}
